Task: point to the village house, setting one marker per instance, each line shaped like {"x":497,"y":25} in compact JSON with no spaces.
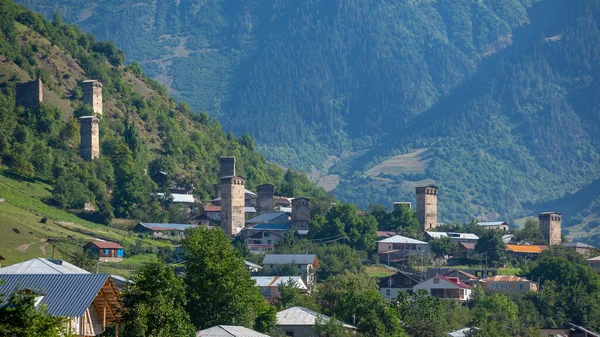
{"x":508,"y":283}
{"x":251,"y":267}
{"x":446,"y":287}
{"x":106,"y":251}
{"x":594,"y":263}
{"x":229,"y":331}
{"x":582,"y":248}
{"x":186,"y":201}
{"x":384,"y":234}
{"x":304,"y":264}
{"x":300,"y":322}
{"x":462,"y":276}
{"x":400,"y":247}
{"x":278,"y":217}
{"x":458,"y":237}
{"x":90,"y":302}
{"x":494,"y":225}
{"x":171,"y":231}
{"x":263,"y":237}
{"x":466,"y":249}
{"x":269,"y":285}
{"x":571,"y":330}
{"x":390,"y":286}
{"x":525,"y":251}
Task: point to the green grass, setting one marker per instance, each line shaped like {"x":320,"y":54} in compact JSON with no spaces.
{"x":378,"y":271}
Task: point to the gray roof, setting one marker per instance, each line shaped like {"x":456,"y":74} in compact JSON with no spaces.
{"x":302,"y":316}
{"x":229,"y":331}
{"x":275,"y":281}
{"x":578,"y":245}
{"x":178,"y":197}
{"x":66,"y":295}
{"x":402,"y":239}
{"x":267,"y":217}
{"x":289,"y":259}
{"x":466,"y":236}
{"x":167,"y":226}
{"x":491,"y":223}
{"x":252,"y":265}
{"x":43,"y":266}
{"x":462,"y":332}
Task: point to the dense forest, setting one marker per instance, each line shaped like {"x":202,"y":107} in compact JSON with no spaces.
{"x":501,"y":94}
{"x":149,"y":141}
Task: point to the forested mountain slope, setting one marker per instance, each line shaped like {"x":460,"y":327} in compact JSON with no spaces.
{"x":149,"y":142}
{"x":495,"y":101}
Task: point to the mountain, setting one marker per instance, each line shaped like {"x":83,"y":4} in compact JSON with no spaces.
{"x":495,"y":101}
{"x":149,"y":142}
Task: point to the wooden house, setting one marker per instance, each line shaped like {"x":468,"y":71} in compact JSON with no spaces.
{"x":105,"y":250}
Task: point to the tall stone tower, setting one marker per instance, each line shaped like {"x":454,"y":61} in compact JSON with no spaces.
{"x":265,"y":198}
{"x":30,"y":94}
{"x":301,"y":214}
{"x":232,"y":198}
{"x":550,"y":223}
{"x":90,"y":137}
{"x":427,"y":206}
{"x":92,"y":95}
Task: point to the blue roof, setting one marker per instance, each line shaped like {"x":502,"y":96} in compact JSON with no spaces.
{"x":267,"y":217}
{"x":66,"y":295}
{"x":271,"y":226}
{"x":167,"y":225}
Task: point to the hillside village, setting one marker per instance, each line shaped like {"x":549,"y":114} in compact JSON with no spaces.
{"x":276,"y":262}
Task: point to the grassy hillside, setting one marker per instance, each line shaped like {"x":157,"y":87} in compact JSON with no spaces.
{"x":149,"y":142}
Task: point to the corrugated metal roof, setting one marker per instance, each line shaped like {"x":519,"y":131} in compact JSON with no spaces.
{"x":597,"y":258}
{"x":106,"y":245}
{"x":466,"y":236}
{"x":267,"y":217}
{"x":167,"y":226}
{"x":524,"y":249}
{"x":43,"y":266}
{"x":462,"y":332}
{"x":578,"y":245}
{"x":467,"y":245}
{"x":274,"y":281}
{"x":289,"y":259}
{"x":211,"y":208}
{"x":66,"y":295}
{"x":504,"y":278}
{"x":302,"y":316}
{"x":402,"y":239}
{"x":178,"y":197}
{"x":229,"y":331}
{"x":250,"y":264}
{"x":249,"y":210}
{"x":491,"y":223}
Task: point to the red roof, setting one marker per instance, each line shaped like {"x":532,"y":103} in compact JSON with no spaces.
{"x":106,"y":245}
{"x":385,"y":234}
{"x":456,"y":281}
{"x":467,"y":245}
{"x":211,"y":208}
{"x":505,"y":278}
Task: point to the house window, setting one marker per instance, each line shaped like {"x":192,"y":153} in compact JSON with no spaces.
{"x":495,"y":286}
{"x":520,"y":286}
{"x":266,"y":234}
{"x":436,"y":280}
{"x":504,"y":286}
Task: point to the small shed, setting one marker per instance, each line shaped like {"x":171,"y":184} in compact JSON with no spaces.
{"x":106,"y":251}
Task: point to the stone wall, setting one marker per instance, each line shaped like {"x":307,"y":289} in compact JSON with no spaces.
{"x":427,"y":207}
{"x":550,"y":227}
{"x":227,"y":167}
{"x":232,"y":204}
{"x":92,"y":95}
{"x":265,"y":198}
{"x":30,"y":94}
{"x":90,"y":137}
{"x":301,"y":214}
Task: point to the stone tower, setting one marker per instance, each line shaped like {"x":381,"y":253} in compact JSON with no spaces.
{"x":550,"y":223}
{"x":232,"y":193}
{"x":427,"y":206}
{"x":90,"y":137}
{"x":301,"y":214}
{"x":227,"y":167}
{"x":30,"y":94}
{"x":265,"y":198}
{"x":92,"y":95}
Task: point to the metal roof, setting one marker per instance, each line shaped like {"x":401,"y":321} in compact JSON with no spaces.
{"x":270,"y":226}
{"x":66,"y":295}
{"x":492,"y":223}
{"x":302,"y":316}
{"x":402,"y":239}
{"x":526,"y":249}
{"x":229,"y":331}
{"x":274,"y":281}
{"x":249,"y":209}
{"x":466,"y":236}
{"x":578,"y":245}
{"x":462,"y":332}
{"x":267,"y":217}
{"x":597,"y":258}
{"x":289,"y":259}
{"x":252,"y":265}
{"x":505,"y":278}
{"x":167,"y":226}
{"x":178,"y":197}
{"x":43,"y":266}
{"x":106,"y":244}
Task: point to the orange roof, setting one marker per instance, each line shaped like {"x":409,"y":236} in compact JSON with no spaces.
{"x":524,"y":249}
{"x":211,"y":208}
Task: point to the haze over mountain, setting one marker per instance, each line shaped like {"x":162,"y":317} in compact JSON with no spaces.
{"x":495,"y":101}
